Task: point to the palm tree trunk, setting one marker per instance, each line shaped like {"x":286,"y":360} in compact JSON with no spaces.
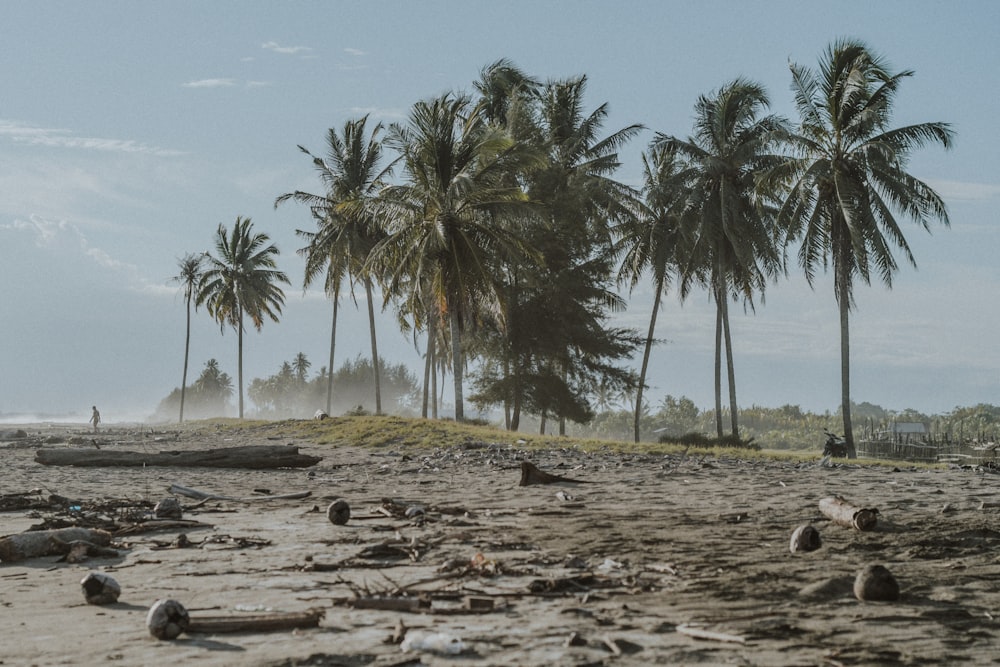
{"x":730,"y":369}
{"x":645,"y":356}
{"x":429,"y":361}
{"x":239,"y":358}
{"x":844,"y":302}
{"x":718,"y":366}
{"x":187,"y":348}
{"x":333,"y":345}
{"x":375,"y":361}
{"x":456,"y":361}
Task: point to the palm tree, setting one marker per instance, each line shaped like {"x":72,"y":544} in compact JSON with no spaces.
{"x":454,"y":215}
{"x":650,"y":242}
{"x":351,"y":176}
{"x":189,"y":278}
{"x":242,"y":281}
{"x":849,"y":180}
{"x":735,"y":243}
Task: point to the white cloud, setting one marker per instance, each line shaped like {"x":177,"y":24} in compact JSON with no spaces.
{"x":66,"y":236}
{"x":257,"y":84}
{"x":288,"y":50}
{"x":210,"y":83}
{"x":354,"y":52}
{"x":23,"y":133}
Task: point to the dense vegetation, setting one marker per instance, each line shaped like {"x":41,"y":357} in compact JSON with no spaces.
{"x":494,"y":225}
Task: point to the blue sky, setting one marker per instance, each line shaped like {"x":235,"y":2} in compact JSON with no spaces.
{"x":130,"y":130}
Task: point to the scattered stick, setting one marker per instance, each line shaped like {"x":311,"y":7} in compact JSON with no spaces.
{"x":530,"y":474}
{"x":843,"y":513}
{"x":205,"y":496}
{"x":256,"y":622}
{"x":701,"y":633}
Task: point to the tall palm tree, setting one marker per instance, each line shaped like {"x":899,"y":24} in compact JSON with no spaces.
{"x":849,"y":180}
{"x":189,"y":278}
{"x":453,"y":216}
{"x":243,"y":281}
{"x":351,"y":176}
{"x":735,"y":240}
{"x":649,"y":242}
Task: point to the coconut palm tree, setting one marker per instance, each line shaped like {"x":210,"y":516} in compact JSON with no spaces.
{"x":849,"y":179}
{"x":649,"y":242}
{"x":734,"y":241}
{"x":351,"y":175}
{"x":189,"y":278}
{"x":454,"y":215}
{"x":243,"y":281}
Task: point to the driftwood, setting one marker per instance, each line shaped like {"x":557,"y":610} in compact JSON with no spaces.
{"x":530,"y":474}
{"x":202,"y":495}
{"x":36,"y":543}
{"x":256,"y":457}
{"x":256,"y":622}
{"x":843,"y":513}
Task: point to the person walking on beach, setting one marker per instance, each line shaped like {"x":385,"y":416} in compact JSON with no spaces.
{"x":95,"y":418}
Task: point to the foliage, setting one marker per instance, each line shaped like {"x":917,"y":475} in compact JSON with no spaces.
{"x":208,"y":396}
{"x":290,"y":393}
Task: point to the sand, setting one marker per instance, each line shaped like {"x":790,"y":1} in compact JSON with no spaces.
{"x":624,"y":569}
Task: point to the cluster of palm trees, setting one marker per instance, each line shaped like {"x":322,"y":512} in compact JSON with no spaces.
{"x":497,"y":228}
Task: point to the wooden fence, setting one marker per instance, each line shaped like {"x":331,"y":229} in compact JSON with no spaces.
{"x":951,"y":452}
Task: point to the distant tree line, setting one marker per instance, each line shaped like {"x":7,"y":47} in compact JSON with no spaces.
{"x":494,"y":225}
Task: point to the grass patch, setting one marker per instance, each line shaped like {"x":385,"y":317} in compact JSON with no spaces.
{"x":389,"y":431}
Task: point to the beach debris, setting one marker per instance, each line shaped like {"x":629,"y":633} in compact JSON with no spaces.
{"x":697,"y":632}
{"x":99,"y":588}
{"x":339,"y":512}
{"x":167,"y":619}
{"x":265,"y":622}
{"x":254,"y":457}
{"x":875,"y":583}
{"x":530,"y":474}
{"x":203,"y":495}
{"x":320,"y":415}
{"x":168,"y":508}
{"x":36,"y":543}
{"x":805,"y":538}
{"x":439,"y":643}
{"x":843,"y":513}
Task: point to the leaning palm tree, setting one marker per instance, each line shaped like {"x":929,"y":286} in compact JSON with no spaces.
{"x":735,"y":241}
{"x":454,"y":215}
{"x":849,"y":180}
{"x":351,"y":175}
{"x":649,"y":242}
{"x":242,"y":281}
{"x":189,"y":278}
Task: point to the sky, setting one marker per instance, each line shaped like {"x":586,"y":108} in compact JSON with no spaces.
{"x":130,"y":130}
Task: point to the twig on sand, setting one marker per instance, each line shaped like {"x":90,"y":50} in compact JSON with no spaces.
{"x":203,"y":495}
{"x":701,"y":633}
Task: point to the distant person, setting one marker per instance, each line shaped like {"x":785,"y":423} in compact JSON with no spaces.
{"x":95,"y":418}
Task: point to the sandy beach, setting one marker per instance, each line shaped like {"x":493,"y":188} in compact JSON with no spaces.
{"x":653,"y":559}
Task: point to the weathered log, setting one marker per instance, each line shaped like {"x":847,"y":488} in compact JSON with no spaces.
{"x":256,"y":457}
{"x":256,"y":622}
{"x":530,"y":474}
{"x":36,"y":543}
{"x":843,"y":513}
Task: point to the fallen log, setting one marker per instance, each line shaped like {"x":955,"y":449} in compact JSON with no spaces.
{"x":530,"y":474}
{"x":843,"y":513}
{"x":36,"y":543}
{"x":255,"y":457}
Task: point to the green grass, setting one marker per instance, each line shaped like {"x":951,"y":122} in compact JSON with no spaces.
{"x":378,"y":432}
